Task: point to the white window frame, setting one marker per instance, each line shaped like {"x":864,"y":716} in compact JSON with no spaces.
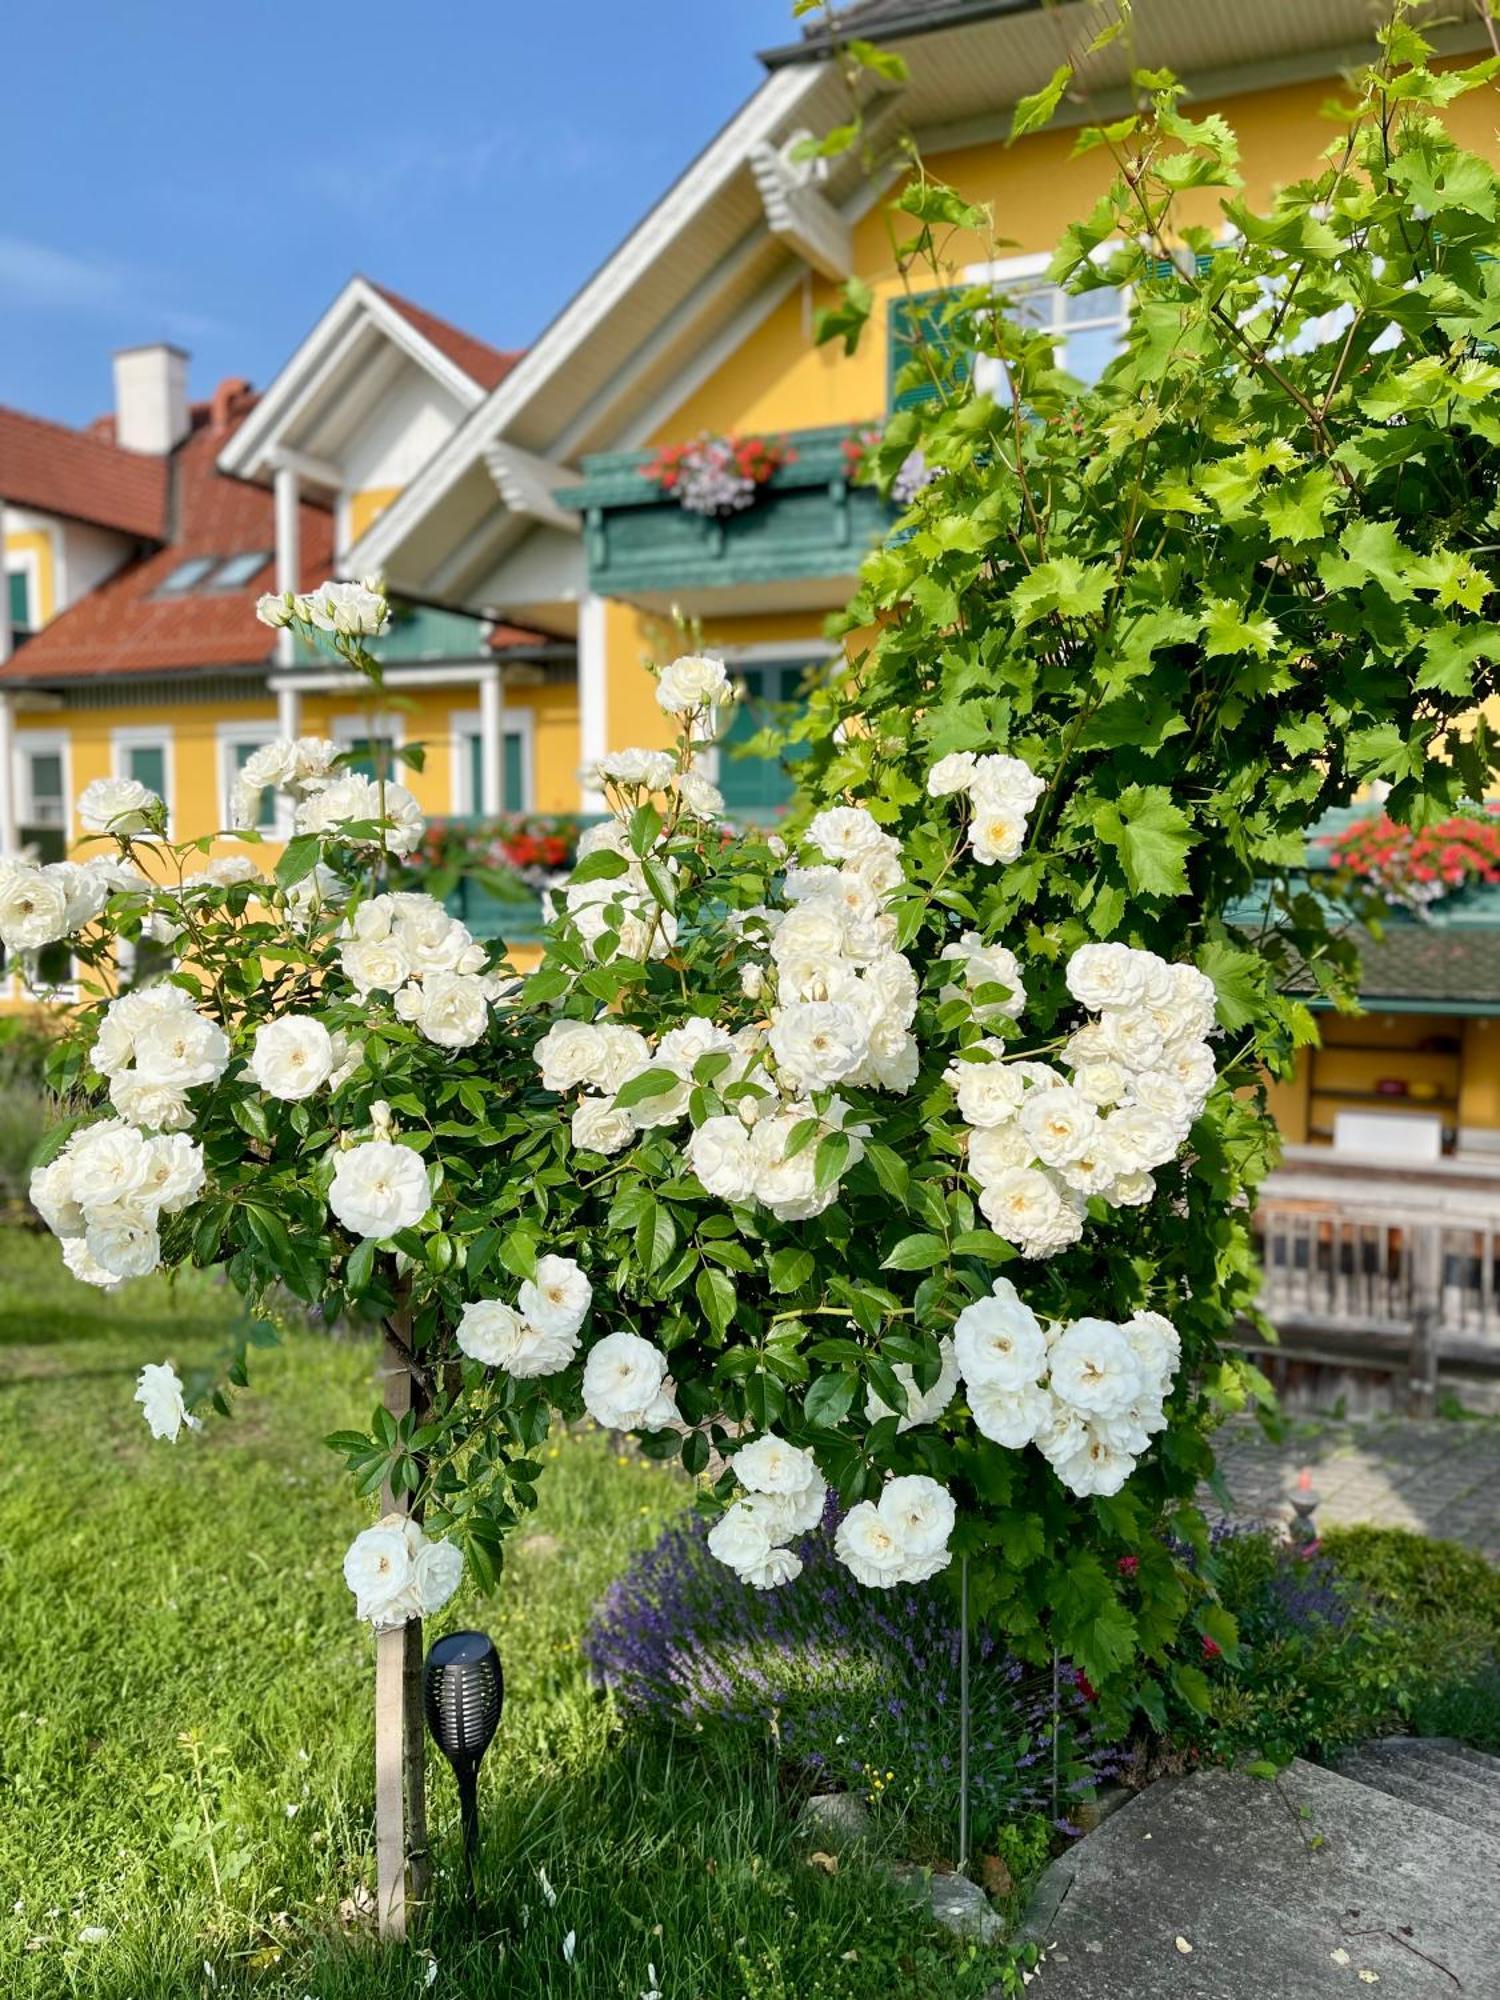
{"x":1003,"y":274}
{"x":50,"y":743}
{"x":147,"y":736}
{"x":233,"y":736}
{"x":464,"y":723}
{"x":347,"y":730}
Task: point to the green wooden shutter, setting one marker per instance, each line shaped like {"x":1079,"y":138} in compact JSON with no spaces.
{"x":475,"y":745}
{"x":513,"y":772}
{"x":758,"y":789}
{"x":19,"y":585}
{"x":915,"y":323}
{"x":147,"y":764}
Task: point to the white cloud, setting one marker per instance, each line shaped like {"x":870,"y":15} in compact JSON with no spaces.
{"x":42,"y":278}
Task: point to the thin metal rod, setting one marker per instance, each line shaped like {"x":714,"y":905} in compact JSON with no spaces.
{"x":963,"y":1713}
{"x":1055,"y":1722}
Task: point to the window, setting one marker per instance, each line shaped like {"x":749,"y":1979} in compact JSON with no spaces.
{"x":759,"y":788}
{"x":44,"y":797}
{"x":146,"y":756}
{"x":236,"y":753}
{"x":916,"y":323}
{"x":515,"y":765}
{"x":238,"y":571}
{"x":18,"y":584}
{"x":188,"y":574}
{"x":1086,"y":327}
{"x":371,"y":756}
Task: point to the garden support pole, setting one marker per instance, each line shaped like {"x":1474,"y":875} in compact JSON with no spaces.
{"x":401,"y":1863}
{"x":963,"y":1714}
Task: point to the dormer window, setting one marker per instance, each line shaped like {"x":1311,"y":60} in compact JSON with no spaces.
{"x":187,"y":575}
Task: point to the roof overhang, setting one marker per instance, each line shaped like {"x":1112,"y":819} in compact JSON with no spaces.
{"x":340,"y":371}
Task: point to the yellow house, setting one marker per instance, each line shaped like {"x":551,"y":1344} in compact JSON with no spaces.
{"x":513,"y":499}
{"x":701,"y":323}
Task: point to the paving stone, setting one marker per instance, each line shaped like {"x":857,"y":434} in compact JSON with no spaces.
{"x":1224,"y":1887}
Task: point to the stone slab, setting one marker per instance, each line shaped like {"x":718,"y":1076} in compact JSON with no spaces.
{"x":1280,"y":1891}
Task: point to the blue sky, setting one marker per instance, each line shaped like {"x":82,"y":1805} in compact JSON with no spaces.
{"x":211,"y":174}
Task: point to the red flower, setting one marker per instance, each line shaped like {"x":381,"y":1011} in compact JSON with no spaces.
{"x":1128,"y":1565}
{"x":1084,"y":1685}
{"x":1212,"y":1650}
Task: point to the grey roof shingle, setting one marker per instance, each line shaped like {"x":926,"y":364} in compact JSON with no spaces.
{"x":1450,"y":971}
{"x":891,"y":18}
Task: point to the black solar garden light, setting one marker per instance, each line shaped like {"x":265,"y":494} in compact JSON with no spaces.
{"x":462,"y":1692}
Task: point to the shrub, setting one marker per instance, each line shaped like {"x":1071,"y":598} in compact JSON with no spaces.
{"x":858,"y":1689}
{"x":27,"y":1107}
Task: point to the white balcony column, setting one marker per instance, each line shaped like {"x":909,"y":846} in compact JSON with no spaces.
{"x":491,"y":730}
{"x":593,"y":694}
{"x":288,"y":711}
{"x":10,"y":837}
{"x":288,"y":553}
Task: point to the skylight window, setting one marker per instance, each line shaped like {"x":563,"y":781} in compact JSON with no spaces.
{"x":239,"y":569}
{"x":189,"y":574}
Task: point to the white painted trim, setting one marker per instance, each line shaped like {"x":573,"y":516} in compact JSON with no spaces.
{"x":147,"y":736}
{"x":593,"y":694}
{"x":330,"y":681}
{"x":466,"y":722}
{"x":1003,"y":271}
{"x":319,"y":357}
{"x":229,"y":737}
{"x":773,"y":652}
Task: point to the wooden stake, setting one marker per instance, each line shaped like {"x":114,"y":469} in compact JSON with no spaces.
{"x":401,"y":1864}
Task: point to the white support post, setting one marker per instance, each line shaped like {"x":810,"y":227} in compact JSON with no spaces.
{"x":288,"y":710}
{"x":288,"y":553}
{"x":593,"y":694}
{"x":491,"y":729}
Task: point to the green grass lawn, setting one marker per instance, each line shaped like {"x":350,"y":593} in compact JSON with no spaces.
{"x":185,"y":1734}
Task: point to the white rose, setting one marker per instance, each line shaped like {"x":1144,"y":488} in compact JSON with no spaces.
{"x":1094,"y":1467}
{"x":950,"y":774}
{"x":1023,"y":1205}
{"x":622,"y":1384}
{"x":771,"y":1465}
{"x":556,"y":1300}
{"x":811,"y":930}
{"x":354,"y":799}
{"x":691,"y":683}
{"x":923,"y":1512}
{"x":845,"y":833}
{"x":437,"y":1573}
{"x":122,"y":1238}
{"x":997,"y":831}
{"x":118,"y":805}
{"x":787,"y":1185}
{"x":293,"y":1057}
{"x":379,"y":1188}
{"x":155,"y":1107}
{"x":997,"y":778}
{"x":84,"y":1266}
{"x":1141,"y":1139}
{"x":1107,"y":975}
{"x":720,"y":1153}
{"x":700,"y":798}
{"x":1157,"y":1346}
{"x":652,"y":768}
{"x":174,"y":1172}
{"x":51,"y":1194}
{"x":159,"y":1393}
{"x":573,"y":1052}
{"x":274,"y":763}
{"x":1131,"y":1035}
{"x":870,"y":1547}
{"x":1009,"y":1417}
{"x":986,"y":965}
{"x":745,"y":1539}
{"x":107,"y":1163}
{"x":33,"y":907}
{"x":988,"y":1093}
{"x":921,"y":1408}
{"x":1194,"y":999}
{"x":598,"y":1127}
{"x":1102,"y":1082}
{"x":1093,"y":1368}
{"x":998,"y":1341}
{"x":1192,"y":1068}
{"x":1060,"y":1123}
{"x":995,"y":1149}
{"x":182,"y":1049}
{"x":490,"y":1331}
{"x":276,"y":608}
{"x":453,"y":1011}
{"x":317,"y":759}
{"x":375,"y":965}
{"x":817,"y":1043}
{"x":352,"y":609}
{"x":378,"y":1569}
{"x":1132,"y":1189}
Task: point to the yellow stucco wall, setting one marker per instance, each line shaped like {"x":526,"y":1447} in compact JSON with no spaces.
{"x":366,"y":505}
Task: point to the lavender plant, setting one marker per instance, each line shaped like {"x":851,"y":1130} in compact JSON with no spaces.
{"x":858,"y":1689}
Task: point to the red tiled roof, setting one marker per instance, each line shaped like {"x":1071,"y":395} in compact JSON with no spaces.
{"x":482,"y":363}
{"x":82,"y":476}
{"x":126,"y":626}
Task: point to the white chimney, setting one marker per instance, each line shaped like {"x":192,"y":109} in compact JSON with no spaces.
{"x":151,"y":401}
